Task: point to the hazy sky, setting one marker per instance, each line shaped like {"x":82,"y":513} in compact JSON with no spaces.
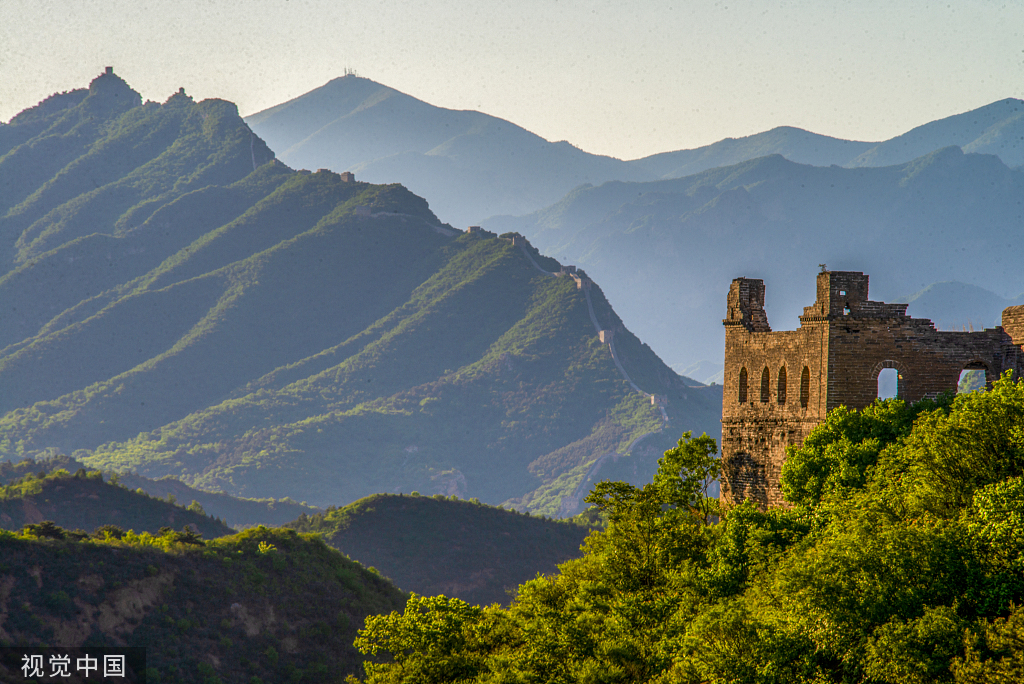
{"x":625,"y":79}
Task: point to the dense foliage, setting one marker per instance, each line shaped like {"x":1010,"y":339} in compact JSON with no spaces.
{"x":443,"y":545}
{"x":901,"y":560}
{"x":261,"y":606}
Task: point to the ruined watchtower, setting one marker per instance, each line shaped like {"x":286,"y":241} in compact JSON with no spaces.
{"x":779,"y":385}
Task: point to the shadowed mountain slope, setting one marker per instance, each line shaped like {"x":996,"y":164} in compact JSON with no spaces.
{"x":235,"y":512}
{"x":85,"y":502}
{"x":274,"y":333}
{"x":434,"y":545}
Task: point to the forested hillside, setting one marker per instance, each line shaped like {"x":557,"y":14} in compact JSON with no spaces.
{"x":439,"y":545}
{"x":83,"y":501}
{"x":177,"y":303}
{"x":235,"y":512}
{"x":261,"y":606}
{"x":900,"y":561}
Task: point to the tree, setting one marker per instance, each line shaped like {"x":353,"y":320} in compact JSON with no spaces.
{"x":902,"y":561}
{"x":429,"y":642}
{"x":686,"y":472}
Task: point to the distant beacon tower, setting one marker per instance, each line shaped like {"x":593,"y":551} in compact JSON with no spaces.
{"x":779,"y":385}
{"x":109,"y":71}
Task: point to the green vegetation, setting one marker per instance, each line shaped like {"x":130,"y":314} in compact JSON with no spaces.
{"x":901,"y":561}
{"x":235,"y":512}
{"x":208,"y":314}
{"x":443,"y":545}
{"x":85,"y":501}
{"x":263,"y":605}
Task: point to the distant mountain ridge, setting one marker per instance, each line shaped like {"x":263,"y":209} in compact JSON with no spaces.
{"x":469,"y":165}
{"x":959,"y":306}
{"x":997,"y":128}
{"x":666,"y":251}
{"x":210,"y":314}
{"x":472,"y":166}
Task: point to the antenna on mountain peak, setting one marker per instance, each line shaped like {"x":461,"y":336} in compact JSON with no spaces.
{"x":349,"y":71}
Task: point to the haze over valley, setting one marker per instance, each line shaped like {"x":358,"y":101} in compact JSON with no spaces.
{"x":665,"y":234}
{"x":416,"y":374}
{"x":192,"y":252}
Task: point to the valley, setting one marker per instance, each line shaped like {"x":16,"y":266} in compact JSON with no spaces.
{"x":283,"y":424}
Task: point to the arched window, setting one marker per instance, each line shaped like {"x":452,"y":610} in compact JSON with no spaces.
{"x":805,"y":387}
{"x":782,"y":385}
{"x":972,"y":378}
{"x":765,"y":382}
{"x":888,"y":383}
{"x":743,"y":385}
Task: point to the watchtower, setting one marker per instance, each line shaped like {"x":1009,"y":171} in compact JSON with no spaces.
{"x":779,"y":385}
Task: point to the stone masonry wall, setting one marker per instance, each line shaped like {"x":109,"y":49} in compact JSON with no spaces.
{"x":779,"y":385}
{"x":1013,"y":323}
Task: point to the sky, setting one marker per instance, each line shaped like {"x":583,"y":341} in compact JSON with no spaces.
{"x":615,"y":78}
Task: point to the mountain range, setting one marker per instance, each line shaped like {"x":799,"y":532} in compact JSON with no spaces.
{"x":472,"y":166}
{"x":666,"y":251}
{"x":178,"y":302}
{"x":996,"y":128}
{"x":469,"y":165}
{"x":666,"y":233}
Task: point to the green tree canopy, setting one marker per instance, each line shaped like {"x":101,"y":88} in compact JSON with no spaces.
{"x":900,"y":560}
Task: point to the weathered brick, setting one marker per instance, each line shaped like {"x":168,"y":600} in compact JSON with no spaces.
{"x":779,"y":385}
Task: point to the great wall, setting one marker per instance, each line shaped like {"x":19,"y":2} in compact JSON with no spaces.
{"x":571,"y":502}
{"x":836,"y":355}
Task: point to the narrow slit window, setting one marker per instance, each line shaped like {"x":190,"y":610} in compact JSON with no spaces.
{"x":765,"y":386}
{"x":743,"y":385}
{"x":782,"y":385}
{"x":805,"y":387}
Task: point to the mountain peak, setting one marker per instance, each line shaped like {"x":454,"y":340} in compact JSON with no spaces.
{"x":180,"y":98}
{"x":110,"y":88}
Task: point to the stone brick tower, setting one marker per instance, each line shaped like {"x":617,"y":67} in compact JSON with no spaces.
{"x":779,"y":385}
